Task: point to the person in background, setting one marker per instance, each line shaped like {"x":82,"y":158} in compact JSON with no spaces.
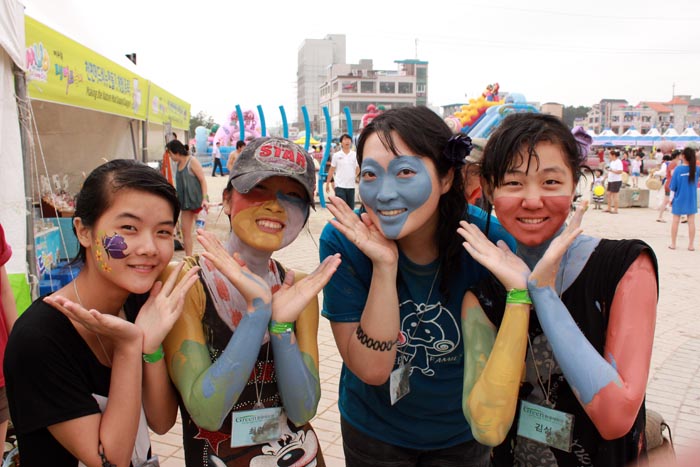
{"x":614,"y":176}
{"x":245,"y":347}
{"x":234,"y":155}
{"x":191,"y":190}
{"x":83,"y":366}
{"x":684,"y":183}
{"x":635,"y":169}
{"x":343,"y":172}
{"x":216,"y":159}
{"x":598,"y":181}
{"x":582,"y":358}
{"x":8,"y":316}
{"x":671,"y":164}
{"x":394,"y":303}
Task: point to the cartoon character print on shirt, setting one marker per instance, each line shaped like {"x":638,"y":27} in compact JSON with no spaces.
{"x":428,"y":333}
{"x":298,"y":449}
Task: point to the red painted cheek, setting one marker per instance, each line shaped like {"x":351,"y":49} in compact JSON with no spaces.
{"x":552,"y":209}
{"x":241,"y":201}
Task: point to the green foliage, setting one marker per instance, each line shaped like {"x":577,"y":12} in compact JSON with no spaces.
{"x":571,"y":113}
{"x":201,"y":119}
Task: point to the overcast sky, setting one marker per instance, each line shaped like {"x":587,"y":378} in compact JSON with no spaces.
{"x":216,"y":54}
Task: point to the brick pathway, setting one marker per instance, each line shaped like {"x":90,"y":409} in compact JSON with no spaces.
{"x":674,"y":381}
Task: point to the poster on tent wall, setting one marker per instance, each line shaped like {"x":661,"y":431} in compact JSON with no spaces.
{"x":164,"y":108}
{"x":62,"y":71}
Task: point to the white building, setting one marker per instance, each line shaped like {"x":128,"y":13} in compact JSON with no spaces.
{"x":359,"y":86}
{"x":314,"y":58}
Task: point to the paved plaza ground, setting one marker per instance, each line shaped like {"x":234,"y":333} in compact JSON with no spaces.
{"x":674,"y":380}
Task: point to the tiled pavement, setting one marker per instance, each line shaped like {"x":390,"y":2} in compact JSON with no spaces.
{"x":674,"y":381}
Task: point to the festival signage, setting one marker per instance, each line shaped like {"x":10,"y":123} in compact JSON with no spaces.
{"x":62,"y":71}
{"x":165,"y":108}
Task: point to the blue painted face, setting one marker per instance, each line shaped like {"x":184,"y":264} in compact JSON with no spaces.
{"x":396,"y":191}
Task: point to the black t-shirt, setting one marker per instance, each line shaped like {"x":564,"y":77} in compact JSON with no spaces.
{"x":51,"y":374}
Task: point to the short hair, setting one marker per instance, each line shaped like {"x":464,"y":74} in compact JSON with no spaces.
{"x":240,"y":144}
{"x":343,"y":136}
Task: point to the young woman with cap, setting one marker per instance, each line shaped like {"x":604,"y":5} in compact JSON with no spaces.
{"x":244,"y":356}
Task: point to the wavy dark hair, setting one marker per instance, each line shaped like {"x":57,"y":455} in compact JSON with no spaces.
{"x":690,"y":158}
{"x":100,"y":187}
{"x":426,"y":134}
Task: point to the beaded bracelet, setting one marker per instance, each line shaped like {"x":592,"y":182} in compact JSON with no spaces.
{"x":520,"y":296}
{"x":370,"y":343}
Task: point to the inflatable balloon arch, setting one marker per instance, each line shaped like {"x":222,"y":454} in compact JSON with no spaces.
{"x":247,"y":125}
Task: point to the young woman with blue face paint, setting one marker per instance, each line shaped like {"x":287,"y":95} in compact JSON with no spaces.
{"x":586,"y":349}
{"x":245,"y":349}
{"x":83,"y":361}
{"x":394,"y":303}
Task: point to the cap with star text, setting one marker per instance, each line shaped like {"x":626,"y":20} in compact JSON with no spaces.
{"x":263,"y":158}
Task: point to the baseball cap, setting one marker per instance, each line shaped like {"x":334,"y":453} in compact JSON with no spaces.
{"x":268,"y":157}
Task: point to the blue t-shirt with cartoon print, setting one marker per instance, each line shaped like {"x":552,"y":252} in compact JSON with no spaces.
{"x":430,"y":415}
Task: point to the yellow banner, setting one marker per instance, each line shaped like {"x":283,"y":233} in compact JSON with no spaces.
{"x":166,"y":108}
{"x":61,"y":70}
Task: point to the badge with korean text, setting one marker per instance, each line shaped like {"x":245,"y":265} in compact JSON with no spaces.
{"x":548,"y":426}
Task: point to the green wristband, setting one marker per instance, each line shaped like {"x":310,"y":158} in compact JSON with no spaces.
{"x":518,"y":296}
{"x":153,"y":357}
{"x":280,"y":328}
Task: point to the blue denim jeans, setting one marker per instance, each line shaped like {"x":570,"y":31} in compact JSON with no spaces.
{"x":364,"y":451}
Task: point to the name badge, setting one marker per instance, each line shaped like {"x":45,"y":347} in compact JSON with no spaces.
{"x":251,"y":427}
{"x":548,"y":426}
{"x":399,"y":384}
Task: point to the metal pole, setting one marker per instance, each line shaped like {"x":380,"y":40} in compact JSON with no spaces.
{"x":24,"y":129}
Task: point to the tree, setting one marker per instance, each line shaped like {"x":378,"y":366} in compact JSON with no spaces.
{"x":570,"y":113}
{"x":201,"y":119}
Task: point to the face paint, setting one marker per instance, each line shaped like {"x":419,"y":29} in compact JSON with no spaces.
{"x":533,"y":205}
{"x":99,"y":258}
{"x":115,"y":246}
{"x":271,"y":215}
{"x":396,"y":195}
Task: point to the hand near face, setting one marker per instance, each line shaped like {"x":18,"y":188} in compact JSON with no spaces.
{"x":510,"y":270}
{"x":363,"y":233}
{"x":251,"y":286}
{"x":291,"y":299}
{"x":114,"y":328}
{"x":163,"y":307}
{"x":545,"y":271}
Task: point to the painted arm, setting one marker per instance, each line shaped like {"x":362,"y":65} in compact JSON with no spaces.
{"x":615,"y":383}
{"x":296,"y":353}
{"x":493,"y":368}
{"x":8,"y":300}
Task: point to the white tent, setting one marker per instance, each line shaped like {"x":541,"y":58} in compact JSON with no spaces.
{"x":671,"y":132}
{"x":689,"y":132}
{"x":13,"y":213}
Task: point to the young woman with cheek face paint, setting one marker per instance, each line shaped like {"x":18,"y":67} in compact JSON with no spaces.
{"x":245,"y":347}
{"x":82,"y":362}
{"x":394,"y":301}
{"x":586,"y":350}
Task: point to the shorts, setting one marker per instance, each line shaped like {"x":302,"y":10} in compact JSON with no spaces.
{"x":4,"y":408}
{"x":614,"y":187}
{"x":196,"y":211}
{"x":635,"y":174}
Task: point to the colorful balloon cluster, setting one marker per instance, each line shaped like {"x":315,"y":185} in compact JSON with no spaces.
{"x":372,"y":112}
{"x":464,"y":119}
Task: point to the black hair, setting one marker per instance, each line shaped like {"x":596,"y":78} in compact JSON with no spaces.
{"x":343,"y":136}
{"x":176,"y":147}
{"x":516,"y":138}
{"x":99,"y":188}
{"x":690,"y":158}
{"x":666,"y":157}
{"x":240,"y":144}
{"x":600,"y":171}
{"x":426,"y":134}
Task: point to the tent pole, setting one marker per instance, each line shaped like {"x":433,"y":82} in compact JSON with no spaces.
{"x":24,"y":128}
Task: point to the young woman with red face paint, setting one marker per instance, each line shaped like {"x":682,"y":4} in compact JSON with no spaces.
{"x":586,"y":349}
{"x":394,"y":303}
{"x":244,"y":356}
{"x":83,"y":361}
